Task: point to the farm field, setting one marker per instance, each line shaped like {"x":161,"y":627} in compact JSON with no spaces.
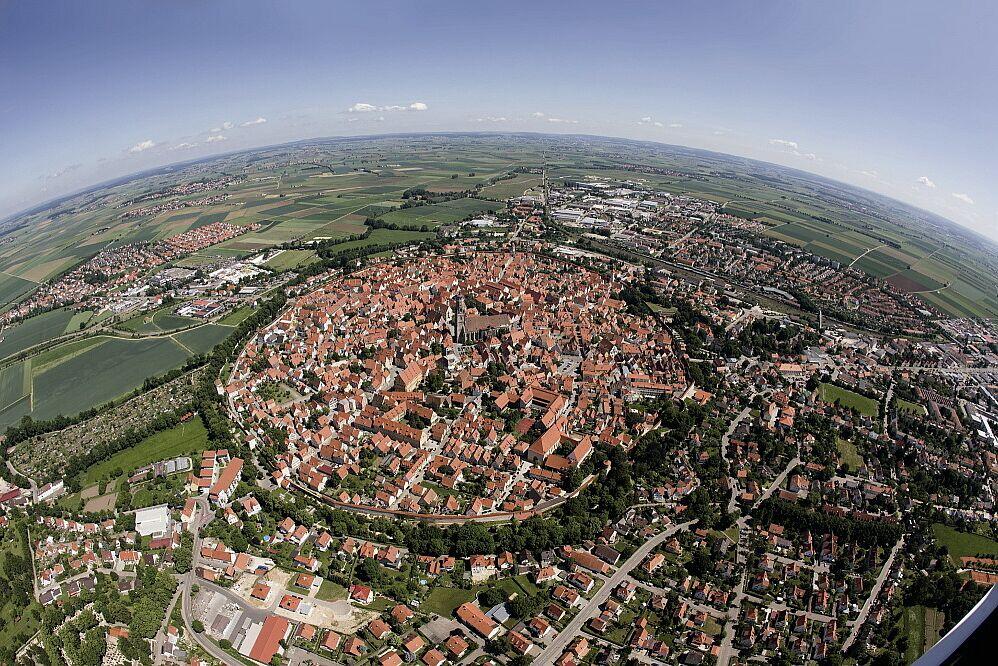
{"x":512,"y":187}
{"x":12,"y":287}
{"x":35,"y":330}
{"x":186,"y":438}
{"x":963,"y":544}
{"x":14,"y":384}
{"x":109,"y":367}
{"x":202,"y":339}
{"x":433,"y":215}
{"x":384,"y":237}
{"x":849,"y":399}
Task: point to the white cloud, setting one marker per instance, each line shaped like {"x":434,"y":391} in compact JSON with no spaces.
{"x":869,"y":173}
{"x":784,"y":143}
{"x":675,"y":125}
{"x":647,"y":120}
{"x":965,"y":198}
{"x":491,"y":119}
{"x":183,"y":145}
{"x":214,"y":138}
{"x":537,"y":114}
{"x":142,"y":145}
{"x":925,"y":180}
{"x":793,"y":148}
{"x":62,"y":172}
{"x":227,"y":125}
{"x":563,"y":120}
{"x":364,"y":107}
{"x":258,"y":121}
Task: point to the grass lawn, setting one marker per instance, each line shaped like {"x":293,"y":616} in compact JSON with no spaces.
{"x":849,"y":399}
{"x":444,"y":600}
{"x":849,"y":454}
{"x":330,"y":591}
{"x":910,"y":407}
{"x":528,"y":585}
{"x":186,"y":438}
{"x":289,"y":259}
{"x":236,"y":317}
{"x":913,"y":625}
{"x":963,"y":544}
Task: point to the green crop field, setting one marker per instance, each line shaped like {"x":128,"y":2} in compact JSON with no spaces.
{"x":14,"y":384}
{"x":963,"y":544}
{"x":35,"y":330}
{"x":186,"y":438}
{"x":848,"y":399}
{"x":202,"y":339}
{"x":106,"y":367}
{"x":512,"y":187}
{"x":434,"y":215}
{"x":108,"y":370}
{"x":12,"y":287}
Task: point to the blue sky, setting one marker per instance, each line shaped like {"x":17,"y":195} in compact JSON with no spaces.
{"x":898,"y":97}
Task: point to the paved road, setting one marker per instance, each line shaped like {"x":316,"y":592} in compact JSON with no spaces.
{"x":777,"y":482}
{"x":874,"y":593}
{"x":571,"y":631}
{"x":205,"y":515}
{"x":733,"y":482}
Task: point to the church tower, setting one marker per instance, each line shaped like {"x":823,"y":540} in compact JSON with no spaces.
{"x":460,"y":316}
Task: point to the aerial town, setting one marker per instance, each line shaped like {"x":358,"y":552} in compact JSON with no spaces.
{"x":611,"y":429}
